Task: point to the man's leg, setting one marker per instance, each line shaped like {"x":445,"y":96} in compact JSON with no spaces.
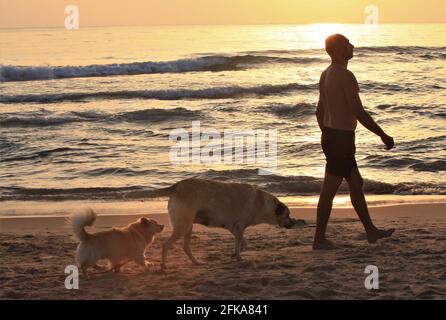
{"x":329,"y":188}
{"x":357,"y":197}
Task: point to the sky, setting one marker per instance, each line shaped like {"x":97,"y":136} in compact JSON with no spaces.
{"x":50,"y":13}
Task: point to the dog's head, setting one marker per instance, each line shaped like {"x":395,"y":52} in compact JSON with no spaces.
{"x":282,"y":214}
{"x":150,"y":227}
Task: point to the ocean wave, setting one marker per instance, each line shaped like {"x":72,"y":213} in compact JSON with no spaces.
{"x":115,"y":171}
{"x":435,"y":55}
{"x":419,"y":50}
{"x":7,"y":146}
{"x":424,"y":110}
{"x":55,"y":194}
{"x":287,"y":185}
{"x":400,"y":50}
{"x":289,"y":110}
{"x":37,"y":154}
{"x":301,"y":149}
{"x":211,"y":62}
{"x":228,"y":92}
{"x":172,"y":94}
{"x":158,"y":115}
{"x":308,"y":185}
{"x":25,"y":73}
{"x":276,"y":184}
{"x":384,"y":49}
{"x":382,"y":86}
{"x":198,"y":64}
{"x":43,"y":118}
{"x":432,"y":166}
{"x":36,"y":121}
{"x":429,"y":143}
{"x":146,"y":115}
{"x":383,"y":161}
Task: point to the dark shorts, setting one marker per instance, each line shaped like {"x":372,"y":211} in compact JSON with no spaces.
{"x":339,"y":149}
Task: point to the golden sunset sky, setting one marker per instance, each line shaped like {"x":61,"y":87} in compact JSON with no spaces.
{"x":50,"y":13}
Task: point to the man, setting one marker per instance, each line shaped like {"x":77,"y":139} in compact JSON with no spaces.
{"x":338,"y":110}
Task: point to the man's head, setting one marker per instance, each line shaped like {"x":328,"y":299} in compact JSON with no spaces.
{"x":339,"y":47}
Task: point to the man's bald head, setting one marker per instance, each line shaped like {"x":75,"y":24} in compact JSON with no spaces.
{"x":338,"y":46}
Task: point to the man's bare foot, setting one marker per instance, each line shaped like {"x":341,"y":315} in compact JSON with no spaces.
{"x":374,"y":236}
{"x":323,"y":245}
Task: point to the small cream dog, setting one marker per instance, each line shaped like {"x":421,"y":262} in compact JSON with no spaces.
{"x":118,"y":245}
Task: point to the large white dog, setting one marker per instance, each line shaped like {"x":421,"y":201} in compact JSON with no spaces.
{"x":233,"y":206}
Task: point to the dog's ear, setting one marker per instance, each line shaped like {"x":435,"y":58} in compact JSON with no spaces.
{"x":144,"y":221}
{"x":280,"y":208}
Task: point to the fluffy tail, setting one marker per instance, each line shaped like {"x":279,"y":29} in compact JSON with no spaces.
{"x":80,"y":220}
{"x":163,"y":192}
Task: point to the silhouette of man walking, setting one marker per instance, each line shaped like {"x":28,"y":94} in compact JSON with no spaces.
{"x":338,"y":111}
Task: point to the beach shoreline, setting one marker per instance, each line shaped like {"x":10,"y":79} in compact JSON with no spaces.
{"x":63,"y":208}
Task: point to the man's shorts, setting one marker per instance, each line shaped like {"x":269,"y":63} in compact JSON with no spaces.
{"x":339,"y":149}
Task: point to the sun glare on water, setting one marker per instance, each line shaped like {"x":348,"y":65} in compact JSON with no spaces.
{"x":317,"y":33}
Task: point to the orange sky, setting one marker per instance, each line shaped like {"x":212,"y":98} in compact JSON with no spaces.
{"x":50,"y":13}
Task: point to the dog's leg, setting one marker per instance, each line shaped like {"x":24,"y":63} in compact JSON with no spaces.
{"x":244,"y":244}
{"x":117,"y":268}
{"x":238,"y":234}
{"x":84,"y":268}
{"x":148,"y":263}
{"x":187,"y":248}
{"x":116,"y":265}
{"x":167,"y":245}
{"x":143,"y":262}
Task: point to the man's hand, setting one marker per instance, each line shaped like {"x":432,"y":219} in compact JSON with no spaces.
{"x":388,"y":141}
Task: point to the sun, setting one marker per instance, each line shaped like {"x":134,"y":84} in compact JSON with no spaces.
{"x":317,"y":33}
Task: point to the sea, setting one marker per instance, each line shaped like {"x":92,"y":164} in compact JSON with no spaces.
{"x":89,"y":114}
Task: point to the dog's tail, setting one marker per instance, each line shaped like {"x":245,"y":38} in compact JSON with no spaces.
{"x":163,"y":192}
{"x":80,"y":220}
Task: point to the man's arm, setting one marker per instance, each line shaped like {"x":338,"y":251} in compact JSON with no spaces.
{"x":351,"y":90}
{"x":320,"y":113}
{"x":320,"y":106}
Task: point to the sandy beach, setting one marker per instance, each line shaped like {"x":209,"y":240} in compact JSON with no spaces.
{"x":113,"y":105}
{"x":278,"y":263}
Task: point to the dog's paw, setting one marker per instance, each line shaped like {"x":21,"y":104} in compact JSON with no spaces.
{"x":99,"y":267}
{"x":149,"y":264}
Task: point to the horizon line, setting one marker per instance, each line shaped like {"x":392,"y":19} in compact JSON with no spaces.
{"x":222,"y":25}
